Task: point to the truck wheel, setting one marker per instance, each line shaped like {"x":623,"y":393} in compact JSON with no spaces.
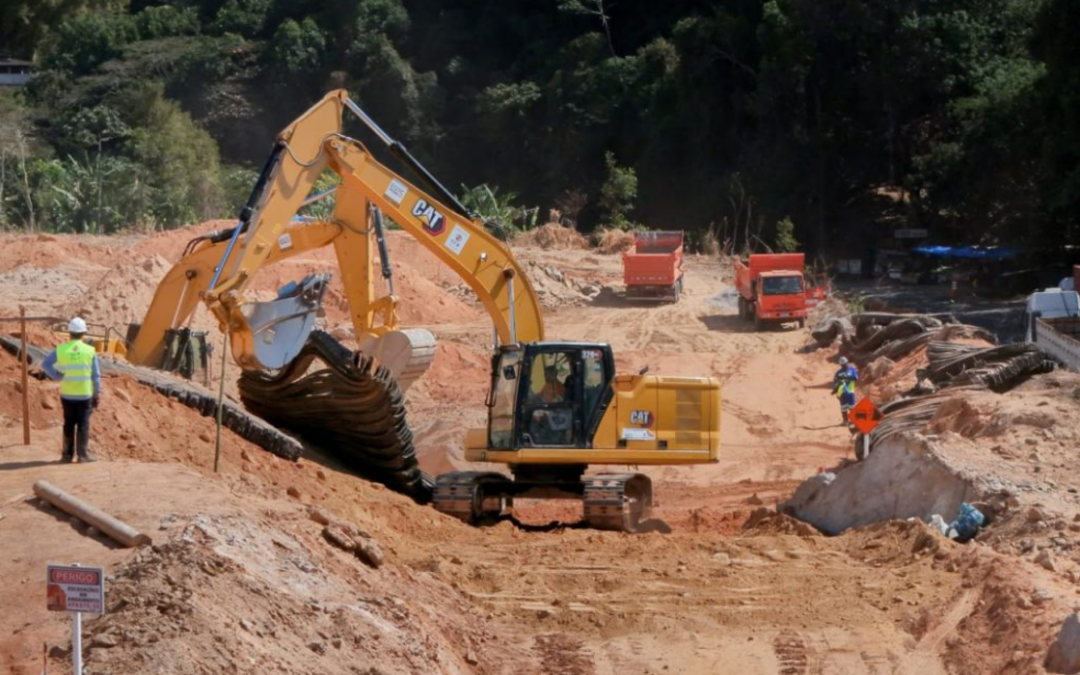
{"x":742,"y":308}
{"x":758,"y":323}
{"x":802,"y":323}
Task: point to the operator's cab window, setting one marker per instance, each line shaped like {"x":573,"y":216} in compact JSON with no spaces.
{"x":550,"y":401}
{"x":501,"y":420}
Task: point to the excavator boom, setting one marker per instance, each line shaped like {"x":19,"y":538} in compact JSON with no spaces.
{"x":219,"y":270}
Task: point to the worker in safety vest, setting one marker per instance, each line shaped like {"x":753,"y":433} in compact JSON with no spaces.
{"x":844,"y":387}
{"x":75,"y":364}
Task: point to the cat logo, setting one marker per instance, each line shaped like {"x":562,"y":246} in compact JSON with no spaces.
{"x":433,"y":221}
{"x":642,"y":417}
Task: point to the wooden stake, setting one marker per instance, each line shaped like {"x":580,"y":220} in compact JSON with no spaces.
{"x":25,"y":381}
{"x":221,"y":400}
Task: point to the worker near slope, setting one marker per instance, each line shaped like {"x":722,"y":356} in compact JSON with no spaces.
{"x":75,"y":365}
{"x":844,"y":387}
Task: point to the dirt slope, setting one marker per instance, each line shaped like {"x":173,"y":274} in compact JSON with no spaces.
{"x":241,"y":579}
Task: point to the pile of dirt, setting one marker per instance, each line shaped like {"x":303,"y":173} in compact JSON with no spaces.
{"x":766,"y":521}
{"x":50,"y":251}
{"x":45,"y":291}
{"x":111,"y":281}
{"x":556,"y":288}
{"x":121,"y":295}
{"x":611,"y":241}
{"x":232,"y":593}
{"x":552,"y":236}
{"x":170,"y":244}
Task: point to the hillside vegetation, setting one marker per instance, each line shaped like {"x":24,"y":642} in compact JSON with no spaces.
{"x":959,"y":116}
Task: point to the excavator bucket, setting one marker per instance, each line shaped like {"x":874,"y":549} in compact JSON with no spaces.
{"x":281,"y":326}
{"x":407,"y":354}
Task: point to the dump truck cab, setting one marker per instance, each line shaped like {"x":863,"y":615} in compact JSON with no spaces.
{"x":772,"y":288}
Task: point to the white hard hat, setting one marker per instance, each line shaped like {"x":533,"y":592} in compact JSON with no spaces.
{"x":77,"y":325}
{"x":843,"y":360}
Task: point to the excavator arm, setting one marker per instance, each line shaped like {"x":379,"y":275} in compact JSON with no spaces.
{"x":218,"y":269}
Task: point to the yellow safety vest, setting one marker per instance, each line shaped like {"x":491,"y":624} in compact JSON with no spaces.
{"x":75,"y":360}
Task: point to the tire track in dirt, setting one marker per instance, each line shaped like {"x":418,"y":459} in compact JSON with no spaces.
{"x":561,"y":654}
{"x":925,"y":656}
{"x":794,"y":654}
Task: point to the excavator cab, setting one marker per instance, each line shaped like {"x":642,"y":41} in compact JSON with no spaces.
{"x":548,"y":395}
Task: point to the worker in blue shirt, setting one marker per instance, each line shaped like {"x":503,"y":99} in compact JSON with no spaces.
{"x":75,"y":365}
{"x":844,"y":387}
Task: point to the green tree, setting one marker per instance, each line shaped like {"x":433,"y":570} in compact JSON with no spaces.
{"x":84,"y":41}
{"x":297,"y":48}
{"x":246,"y":18}
{"x":1055,"y":46}
{"x":167,"y":21}
{"x":180,"y":160}
{"x":499,"y":210}
{"x":25,"y":23}
{"x":591,"y":8}
{"x":617,"y":194}
{"x":785,"y":236}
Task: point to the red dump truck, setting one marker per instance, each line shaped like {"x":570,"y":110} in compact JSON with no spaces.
{"x":653,"y":269}
{"x":772,"y":288}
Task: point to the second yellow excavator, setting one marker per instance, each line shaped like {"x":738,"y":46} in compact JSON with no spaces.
{"x":555,"y":408}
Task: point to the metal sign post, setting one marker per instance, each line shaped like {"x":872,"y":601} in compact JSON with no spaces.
{"x":24,"y":357}
{"x":73,"y":588}
{"x":864,"y":417}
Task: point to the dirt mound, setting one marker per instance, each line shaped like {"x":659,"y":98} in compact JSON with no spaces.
{"x":766,"y":521}
{"x":49,"y":251}
{"x":122,"y":295}
{"x":44,"y":291}
{"x":457,"y":374}
{"x":552,"y":236}
{"x":170,"y":243}
{"x":236,"y":594}
{"x":613,"y":241}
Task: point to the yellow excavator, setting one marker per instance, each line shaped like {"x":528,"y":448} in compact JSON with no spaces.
{"x":555,"y":408}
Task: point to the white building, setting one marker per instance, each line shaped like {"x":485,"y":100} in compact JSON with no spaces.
{"x":14,"y":72}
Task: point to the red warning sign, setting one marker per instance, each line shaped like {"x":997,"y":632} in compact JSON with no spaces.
{"x":865,"y":416}
{"x":76,"y":589}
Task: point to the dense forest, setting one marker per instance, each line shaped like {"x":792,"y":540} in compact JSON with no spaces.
{"x":847,"y":118}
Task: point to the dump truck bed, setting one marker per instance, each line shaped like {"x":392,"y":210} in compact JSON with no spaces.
{"x":653,"y":269}
{"x":1060,"y":338}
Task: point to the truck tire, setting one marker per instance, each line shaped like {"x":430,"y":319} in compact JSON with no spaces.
{"x":742,"y":308}
{"x":758,"y":323}
{"x":802,"y":323}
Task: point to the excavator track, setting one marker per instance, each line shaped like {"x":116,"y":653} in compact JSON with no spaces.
{"x":352,"y":409}
{"x":617,"y":501}
{"x":472,"y":496}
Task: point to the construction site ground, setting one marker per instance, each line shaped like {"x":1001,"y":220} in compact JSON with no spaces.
{"x":241,"y":579}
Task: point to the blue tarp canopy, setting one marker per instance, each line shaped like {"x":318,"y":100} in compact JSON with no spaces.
{"x":967,"y":252}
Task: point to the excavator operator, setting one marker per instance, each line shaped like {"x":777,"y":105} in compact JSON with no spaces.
{"x":553,"y":391}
